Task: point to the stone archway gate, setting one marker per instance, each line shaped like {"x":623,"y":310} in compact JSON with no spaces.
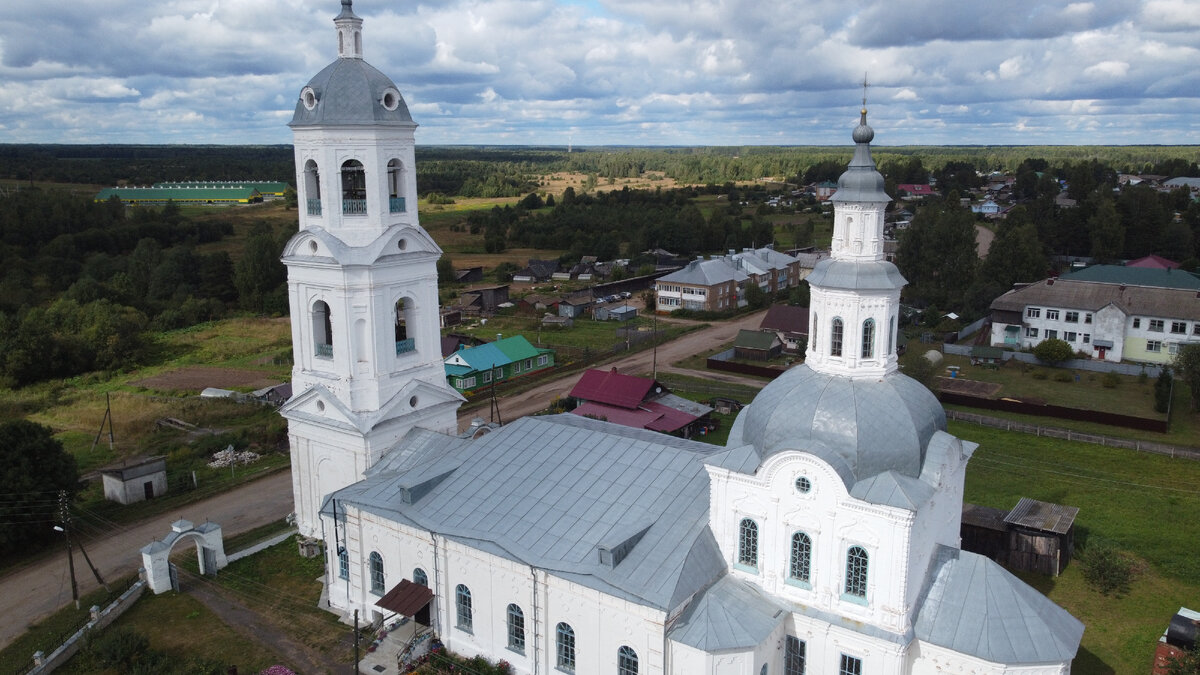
{"x":210,"y":552}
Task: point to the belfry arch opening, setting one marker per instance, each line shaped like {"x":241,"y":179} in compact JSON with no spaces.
{"x":405,"y":317}
{"x":312,"y":188}
{"x":395,"y":181}
{"x":354,"y":188}
{"x":322,"y":328}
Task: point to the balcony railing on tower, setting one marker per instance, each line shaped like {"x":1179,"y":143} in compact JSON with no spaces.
{"x":405,"y":346}
{"x":325,"y":351}
{"x":354,"y":207}
{"x":396,"y":204}
{"x":314,"y":207}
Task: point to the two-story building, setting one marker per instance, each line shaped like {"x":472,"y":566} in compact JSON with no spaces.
{"x":709,"y":285}
{"x":1108,"y":312}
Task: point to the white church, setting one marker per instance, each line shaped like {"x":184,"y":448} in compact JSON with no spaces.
{"x":824,"y":538}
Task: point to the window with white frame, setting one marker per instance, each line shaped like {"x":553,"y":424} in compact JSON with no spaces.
{"x":1071,"y":317}
{"x":868,"y":339}
{"x":851,"y":665}
{"x":464,"y":617}
{"x":420,"y":578}
{"x":1156,"y":325}
{"x":1196,"y":328}
{"x":793,"y":656}
{"x":343,"y":563}
{"x":516,"y":629}
{"x":376,"y":565}
{"x":835,"y":337}
{"x":486,"y":377}
{"x":564,"y":647}
{"x":800,"y":564}
{"x":1172,"y":348}
{"x":1033,"y":312}
{"x":1087,"y":338}
{"x":543,"y":360}
{"x":1137,"y":322}
{"x":1052,"y":314}
{"x":856,"y":572}
{"x":1087,"y":318}
{"x":627,"y":661}
{"x":748,"y":543}
{"x":1179,"y":327}
{"x":466,"y":382}
{"x":1051,"y":334}
{"x":1153,"y":346}
{"x":1030,"y":331}
{"x":1070,"y":336}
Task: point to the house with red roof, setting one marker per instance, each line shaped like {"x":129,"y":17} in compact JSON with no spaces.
{"x":1154,"y":262}
{"x":637,"y":402}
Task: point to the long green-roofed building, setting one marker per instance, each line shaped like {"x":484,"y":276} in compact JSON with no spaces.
{"x":182,"y":195}
{"x":266,"y":188}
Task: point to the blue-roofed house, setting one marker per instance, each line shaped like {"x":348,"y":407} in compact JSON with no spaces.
{"x":472,"y":367}
{"x":822,"y":538}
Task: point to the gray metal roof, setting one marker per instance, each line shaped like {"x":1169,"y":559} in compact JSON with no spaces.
{"x":879,"y":275}
{"x":731,"y":614}
{"x":861,"y":182}
{"x":550,"y":491}
{"x":350,"y":92}
{"x":859,"y":426}
{"x":976,"y":607}
{"x":705,"y":273}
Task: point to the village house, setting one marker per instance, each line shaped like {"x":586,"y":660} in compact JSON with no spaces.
{"x":472,"y":367}
{"x":637,"y":402}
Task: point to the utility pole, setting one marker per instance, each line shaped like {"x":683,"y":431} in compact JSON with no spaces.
{"x":65,"y":528}
{"x":107,"y":419}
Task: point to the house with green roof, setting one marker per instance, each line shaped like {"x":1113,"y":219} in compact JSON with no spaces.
{"x":470,"y":368}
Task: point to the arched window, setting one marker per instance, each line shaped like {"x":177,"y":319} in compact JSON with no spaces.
{"x":800,"y":565}
{"x":376,"y":573}
{"x":892,"y":336}
{"x":312,"y":188}
{"x":812,"y":339}
{"x":343,"y":563}
{"x":462,"y":603}
{"x":627,"y":661}
{"x":835,"y":337}
{"x":856,"y":572}
{"x":405,"y":342}
{"x":748,"y":543}
{"x":420,"y":578}
{"x":516,"y":629}
{"x":322,"y":326}
{"x":395,"y":177}
{"x":763,"y":670}
{"x":868,"y":339}
{"x":564,"y":647}
{"x":354,"y":188}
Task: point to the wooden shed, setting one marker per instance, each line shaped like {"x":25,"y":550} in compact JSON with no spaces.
{"x":1041,"y":537}
{"x":984,"y":531}
{"x":135,"y":479}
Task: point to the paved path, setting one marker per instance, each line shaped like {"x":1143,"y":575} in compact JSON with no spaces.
{"x":983,"y":240}
{"x":30,"y":593}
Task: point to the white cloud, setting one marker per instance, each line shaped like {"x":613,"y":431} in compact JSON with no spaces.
{"x":1107,"y":69}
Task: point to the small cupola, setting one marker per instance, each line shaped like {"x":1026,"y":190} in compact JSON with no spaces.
{"x":349,"y":31}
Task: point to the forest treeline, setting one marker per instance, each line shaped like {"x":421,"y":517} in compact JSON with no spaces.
{"x":82,"y":283}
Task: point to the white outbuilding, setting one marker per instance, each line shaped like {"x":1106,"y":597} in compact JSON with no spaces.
{"x":135,"y":479}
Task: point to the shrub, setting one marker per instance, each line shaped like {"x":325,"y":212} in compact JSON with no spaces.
{"x":1064,"y":376}
{"x":1053,"y":351}
{"x":1110,"y":380}
{"x":120,"y":648}
{"x":1106,"y":568}
{"x":1162,"y":391}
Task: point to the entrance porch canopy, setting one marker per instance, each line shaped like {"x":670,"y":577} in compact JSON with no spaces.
{"x":406,"y":598}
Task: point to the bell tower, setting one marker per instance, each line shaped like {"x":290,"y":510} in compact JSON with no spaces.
{"x":855,"y":300}
{"x":362,"y":281}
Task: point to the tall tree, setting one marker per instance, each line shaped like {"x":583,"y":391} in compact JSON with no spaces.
{"x":1107,"y":233}
{"x":1015,"y":256}
{"x":34,"y":467}
{"x":937,"y":254}
{"x":1187,"y":366}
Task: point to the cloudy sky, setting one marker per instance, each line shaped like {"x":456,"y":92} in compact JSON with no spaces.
{"x":637,"y":72}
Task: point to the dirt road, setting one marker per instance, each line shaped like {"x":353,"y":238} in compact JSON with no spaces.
{"x":697,"y":342}
{"x":36,"y":590}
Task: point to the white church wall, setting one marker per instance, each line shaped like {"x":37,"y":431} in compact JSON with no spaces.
{"x":937,"y":522}
{"x":834,"y":521}
{"x":825,"y":645}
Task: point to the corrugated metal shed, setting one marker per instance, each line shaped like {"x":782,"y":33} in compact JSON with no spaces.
{"x":1042,"y":516}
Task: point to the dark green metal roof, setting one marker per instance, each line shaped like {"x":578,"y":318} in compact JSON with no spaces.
{"x":188,"y":194}
{"x":1135,"y":276}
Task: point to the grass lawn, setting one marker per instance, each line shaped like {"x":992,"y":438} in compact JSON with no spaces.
{"x":1148,"y":504}
{"x":586,"y":333}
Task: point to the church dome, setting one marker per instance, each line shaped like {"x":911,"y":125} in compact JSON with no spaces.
{"x":859,"y":426}
{"x":350,"y":91}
